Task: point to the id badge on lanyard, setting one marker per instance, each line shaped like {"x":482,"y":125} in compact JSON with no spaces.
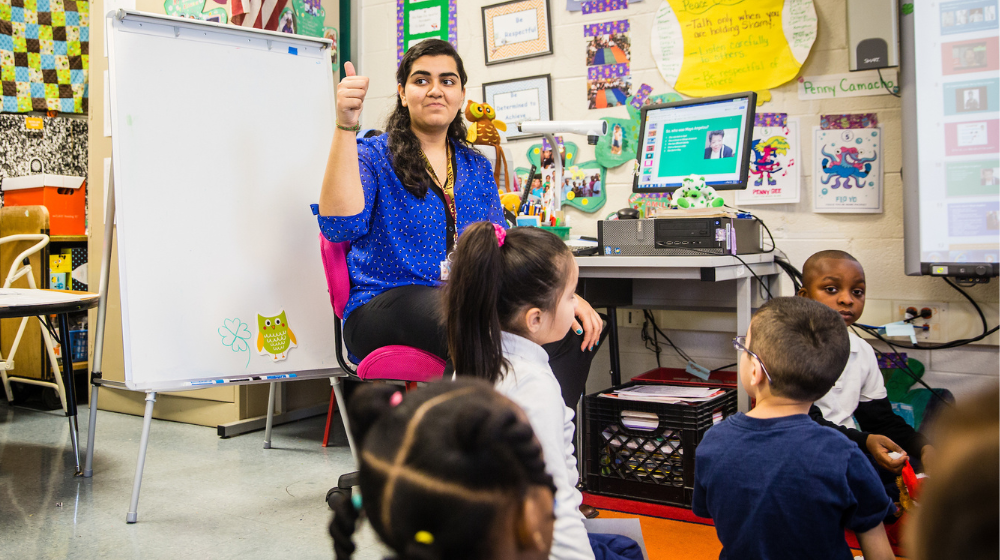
{"x":450,"y":234}
{"x":446,"y":267}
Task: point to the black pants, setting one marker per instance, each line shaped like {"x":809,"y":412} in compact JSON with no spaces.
{"x":413,"y":316}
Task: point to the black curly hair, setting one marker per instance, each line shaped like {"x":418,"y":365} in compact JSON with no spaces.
{"x":448,"y":462}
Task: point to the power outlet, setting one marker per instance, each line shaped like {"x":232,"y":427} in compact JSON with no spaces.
{"x":630,"y":318}
{"x":929,"y":329}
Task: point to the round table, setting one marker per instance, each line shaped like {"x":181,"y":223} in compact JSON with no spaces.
{"x":25,"y":302}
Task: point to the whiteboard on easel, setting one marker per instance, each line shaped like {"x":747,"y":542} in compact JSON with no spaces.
{"x":220,"y":137}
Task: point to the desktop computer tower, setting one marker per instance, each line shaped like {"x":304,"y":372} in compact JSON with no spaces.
{"x":680,"y":237}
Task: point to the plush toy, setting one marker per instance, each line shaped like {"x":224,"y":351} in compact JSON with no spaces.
{"x":484,"y":132}
{"x":909,"y":484}
{"x":693,"y":193}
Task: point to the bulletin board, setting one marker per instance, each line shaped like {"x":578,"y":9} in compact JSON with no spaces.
{"x":417,"y":20}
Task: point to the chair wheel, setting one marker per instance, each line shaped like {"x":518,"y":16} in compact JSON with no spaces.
{"x":337,"y":490}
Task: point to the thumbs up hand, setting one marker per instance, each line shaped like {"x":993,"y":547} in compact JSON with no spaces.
{"x":351,"y":96}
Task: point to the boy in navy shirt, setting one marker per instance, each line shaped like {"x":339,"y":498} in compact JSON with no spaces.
{"x":777,"y":484}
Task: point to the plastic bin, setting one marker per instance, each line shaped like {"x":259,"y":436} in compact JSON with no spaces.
{"x":655,"y":465}
{"x":64,"y":196}
{"x":561,"y":231}
{"x":78,"y":345}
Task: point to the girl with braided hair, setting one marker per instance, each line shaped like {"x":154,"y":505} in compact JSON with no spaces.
{"x":511,"y":292}
{"x":451,"y":472}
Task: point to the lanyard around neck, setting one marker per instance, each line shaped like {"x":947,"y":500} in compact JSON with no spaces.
{"x":447,"y":194}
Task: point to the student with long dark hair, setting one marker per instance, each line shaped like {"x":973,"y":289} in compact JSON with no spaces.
{"x":403,"y":197}
{"x":451,"y":472}
{"x":510,"y":293}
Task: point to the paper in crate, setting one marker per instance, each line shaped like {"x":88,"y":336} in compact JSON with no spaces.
{"x":65,"y":197}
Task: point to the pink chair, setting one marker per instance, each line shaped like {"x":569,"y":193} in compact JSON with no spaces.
{"x":397,"y":363}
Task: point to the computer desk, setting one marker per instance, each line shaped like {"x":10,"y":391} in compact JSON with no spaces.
{"x":695,"y":283}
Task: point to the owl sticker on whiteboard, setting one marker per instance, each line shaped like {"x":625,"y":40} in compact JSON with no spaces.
{"x":274,"y":337}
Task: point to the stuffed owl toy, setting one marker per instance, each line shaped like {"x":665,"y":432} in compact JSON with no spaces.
{"x":483,"y":131}
{"x":274,"y":337}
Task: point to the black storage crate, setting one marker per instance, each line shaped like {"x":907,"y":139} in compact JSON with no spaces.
{"x":654,"y":465}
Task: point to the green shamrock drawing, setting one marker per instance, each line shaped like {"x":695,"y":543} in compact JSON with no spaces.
{"x":236,"y":335}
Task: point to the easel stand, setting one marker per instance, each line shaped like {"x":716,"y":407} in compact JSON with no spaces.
{"x":97,"y":380}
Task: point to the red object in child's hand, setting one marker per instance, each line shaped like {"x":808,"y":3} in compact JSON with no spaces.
{"x":911,"y":481}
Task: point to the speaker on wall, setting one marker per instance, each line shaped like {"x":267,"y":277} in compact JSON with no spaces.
{"x":872,"y":34}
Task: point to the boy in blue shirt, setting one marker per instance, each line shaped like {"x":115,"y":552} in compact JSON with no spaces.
{"x":777,"y":484}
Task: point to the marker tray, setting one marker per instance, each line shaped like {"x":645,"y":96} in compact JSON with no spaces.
{"x":654,"y":464}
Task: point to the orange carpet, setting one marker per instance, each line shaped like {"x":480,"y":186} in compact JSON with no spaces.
{"x":678,"y":540}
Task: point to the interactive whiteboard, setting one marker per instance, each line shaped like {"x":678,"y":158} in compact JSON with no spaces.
{"x":220,"y":138}
{"x":950,"y":77}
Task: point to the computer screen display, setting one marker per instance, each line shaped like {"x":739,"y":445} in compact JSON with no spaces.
{"x":708,"y":137}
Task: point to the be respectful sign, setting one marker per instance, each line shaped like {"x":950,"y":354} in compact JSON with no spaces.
{"x":853,"y":84}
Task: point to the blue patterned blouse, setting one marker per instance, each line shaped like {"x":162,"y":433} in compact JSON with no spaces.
{"x":399,"y":239}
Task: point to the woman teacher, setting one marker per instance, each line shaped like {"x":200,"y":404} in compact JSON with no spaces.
{"x":403,"y":197}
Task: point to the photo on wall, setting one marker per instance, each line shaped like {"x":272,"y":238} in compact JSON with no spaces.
{"x":608,"y":54}
{"x":608,"y":86}
{"x":583,"y":182}
{"x":608,"y":43}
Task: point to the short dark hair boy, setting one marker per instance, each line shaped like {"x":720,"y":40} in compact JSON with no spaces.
{"x":777,"y":484}
{"x":859,"y":405}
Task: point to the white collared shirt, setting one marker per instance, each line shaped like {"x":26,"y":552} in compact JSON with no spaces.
{"x":530,"y":383}
{"x":861,"y":381}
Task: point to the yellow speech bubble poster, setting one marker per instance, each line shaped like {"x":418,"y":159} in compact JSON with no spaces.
{"x":715,"y":47}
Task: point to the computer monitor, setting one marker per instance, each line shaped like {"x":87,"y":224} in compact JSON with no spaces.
{"x":709,"y":137}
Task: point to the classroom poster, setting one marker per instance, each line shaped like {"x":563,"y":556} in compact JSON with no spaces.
{"x":714,"y":48}
{"x":608,"y":51}
{"x":847,"y":170}
{"x":583,"y":182}
{"x":774,"y":161}
{"x":417,"y":20}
